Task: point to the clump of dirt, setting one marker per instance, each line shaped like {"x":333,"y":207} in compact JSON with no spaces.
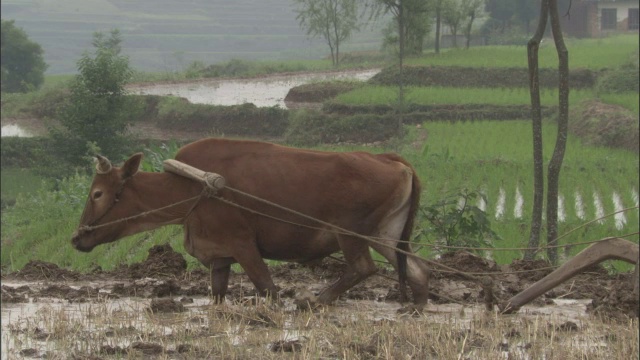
{"x":41,"y":270}
{"x":320,"y":91}
{"x":166,"y":306}
{"x":607,"y":125}
{"x":530,"y":270}
{"x":84,"y":294}
{"x":15,"y":295}
{"x":162,"y":262}
{"x":615,"y":300}
{"x":465,"y":261}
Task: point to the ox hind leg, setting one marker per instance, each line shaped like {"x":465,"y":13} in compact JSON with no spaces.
{"x":360,"y":266}
{"x":390,"y":229}
{"x":417,"y":273}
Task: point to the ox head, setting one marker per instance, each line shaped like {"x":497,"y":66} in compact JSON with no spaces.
{"x":104,"y":205}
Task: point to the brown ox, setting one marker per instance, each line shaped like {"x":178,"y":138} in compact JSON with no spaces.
{"x":372,"y":195}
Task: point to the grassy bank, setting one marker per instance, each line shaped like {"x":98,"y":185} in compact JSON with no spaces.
{"x":609,"y":52}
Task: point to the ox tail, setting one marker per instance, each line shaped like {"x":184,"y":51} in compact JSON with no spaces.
{"x":404,"y":244}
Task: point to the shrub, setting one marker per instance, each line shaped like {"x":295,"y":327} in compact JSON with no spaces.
{"x":238,"y":120}
{"x":308,"y":127}
{"x":619,"y":81}
{"x":455,"y":221}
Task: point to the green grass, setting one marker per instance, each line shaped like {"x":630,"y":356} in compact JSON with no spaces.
{"x":379,"y":95}
{"x":16,"y":181}
{"x":610,"y":52}
{"x":629,"y":101}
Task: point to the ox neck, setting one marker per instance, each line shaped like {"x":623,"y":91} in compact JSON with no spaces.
{"x":163,"y":190}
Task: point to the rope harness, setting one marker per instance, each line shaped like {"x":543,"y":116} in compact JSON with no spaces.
{"x":212,"y":184}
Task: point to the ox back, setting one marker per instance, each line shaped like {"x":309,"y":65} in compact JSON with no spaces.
{"x":372,"y":195}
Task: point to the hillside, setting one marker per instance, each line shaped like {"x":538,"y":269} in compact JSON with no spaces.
{"x":168,"y":35}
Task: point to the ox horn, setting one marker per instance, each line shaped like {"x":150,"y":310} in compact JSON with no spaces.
{"x":103,"y":165}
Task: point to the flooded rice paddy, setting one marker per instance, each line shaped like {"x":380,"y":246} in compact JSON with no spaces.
{"x":266,"y":91}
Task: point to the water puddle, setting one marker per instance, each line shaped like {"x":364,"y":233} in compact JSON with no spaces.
{"x":561,"y":214}
{"x":517,"y":209}
{"x":579,"y":206}
{"x":13,"y":130}
{"x":620,"y":218}
{"x":502,"y":198}
{"x":597,"y":203}
{"x":482,"y":203}
{"x":265,"y":91}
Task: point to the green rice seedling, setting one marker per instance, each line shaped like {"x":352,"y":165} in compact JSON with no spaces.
{"x":497,"y":155}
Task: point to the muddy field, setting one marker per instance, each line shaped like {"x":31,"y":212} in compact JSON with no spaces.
{"x":156,"y":309}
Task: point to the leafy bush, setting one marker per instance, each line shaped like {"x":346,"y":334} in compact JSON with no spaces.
{"x":24,"y":152}
{"x":455,"y":221}
{"x":238,"y":120}
{"x":155,"y":155}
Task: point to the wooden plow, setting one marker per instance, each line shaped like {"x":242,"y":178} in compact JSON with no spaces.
{"x":606,"y":249}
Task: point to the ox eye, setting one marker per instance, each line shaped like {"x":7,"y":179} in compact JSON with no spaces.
{"x":97,"y":194}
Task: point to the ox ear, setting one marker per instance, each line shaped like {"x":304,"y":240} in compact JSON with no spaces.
{"x":131,"y":166}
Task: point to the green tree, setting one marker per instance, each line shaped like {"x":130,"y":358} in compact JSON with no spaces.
{"x":333,"y":20}
{"x":416,"y":26}
{"x":501,"y":11}
{"x":452,"y":16}
{"x":22,"y":63}
{"x":97,"y":114}
{"x":472,"y":9}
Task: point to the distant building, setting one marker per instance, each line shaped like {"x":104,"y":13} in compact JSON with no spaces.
{"x":596,"y":18}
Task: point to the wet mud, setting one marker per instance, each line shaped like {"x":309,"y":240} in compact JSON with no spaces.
{"x":164,"y":274}
{"x":156,"y":308}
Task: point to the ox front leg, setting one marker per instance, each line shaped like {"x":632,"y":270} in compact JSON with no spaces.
{"x":254,"y":266}
{"x":359,"y":267}
{"x":220,"y":269}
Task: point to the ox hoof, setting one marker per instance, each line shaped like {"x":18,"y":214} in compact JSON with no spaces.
{"x":306,"y":300}
{"x":412,"y":310}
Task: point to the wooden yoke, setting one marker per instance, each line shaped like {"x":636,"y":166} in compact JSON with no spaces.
{"x":211,"y":180}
